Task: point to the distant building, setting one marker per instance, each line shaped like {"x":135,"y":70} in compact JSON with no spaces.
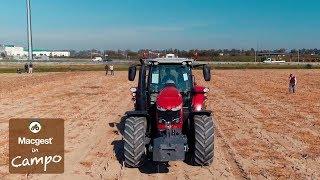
{"x":60,"y":54}
{"x":20,"y":52}
{"x":42,"y":52}
{"x":11,"y":50}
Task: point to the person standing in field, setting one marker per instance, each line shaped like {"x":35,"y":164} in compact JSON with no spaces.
{"x":26,"y":68}
{"x":106,"y":68}
{"x":112,"y":70}
{"x":292,"y":83}
{"x":30,"y":68}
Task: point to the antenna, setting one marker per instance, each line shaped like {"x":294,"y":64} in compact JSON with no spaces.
{"x":30,"y":48}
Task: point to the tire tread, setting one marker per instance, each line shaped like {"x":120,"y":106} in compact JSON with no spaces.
{"x":204,"y":140}
{"x":134,"y":137}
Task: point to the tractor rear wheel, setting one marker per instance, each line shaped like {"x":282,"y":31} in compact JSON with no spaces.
{"x":134,"y":145}
{"x":204,"y":140}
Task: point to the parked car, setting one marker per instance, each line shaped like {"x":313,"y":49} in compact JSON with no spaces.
{"x":99,"y":59}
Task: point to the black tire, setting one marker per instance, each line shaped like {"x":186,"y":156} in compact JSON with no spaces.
{"x":204,"y":140}
{"x":134,"y":145}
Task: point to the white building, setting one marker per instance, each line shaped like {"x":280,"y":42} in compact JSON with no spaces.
{"x":10,"y":50}
{"x":60,"y":54}
{"x":39,"y":53}
{"x":15,"y":51}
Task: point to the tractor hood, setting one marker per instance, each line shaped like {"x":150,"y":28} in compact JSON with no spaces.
{"x":169,"y":98}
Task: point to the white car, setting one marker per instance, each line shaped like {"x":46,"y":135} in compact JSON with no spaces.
{"x":269,"y":61}
{"x":99,"y":59}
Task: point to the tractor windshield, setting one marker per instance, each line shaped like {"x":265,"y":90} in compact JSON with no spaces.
{"x":163,"y":74}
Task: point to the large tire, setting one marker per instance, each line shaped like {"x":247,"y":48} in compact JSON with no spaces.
{"x":204,"y":140}
{"x":134,"y":145}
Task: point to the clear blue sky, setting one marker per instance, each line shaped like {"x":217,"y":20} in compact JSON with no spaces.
{"x":183,"y":24}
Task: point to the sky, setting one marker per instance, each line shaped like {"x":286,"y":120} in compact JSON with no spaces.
{"x":163,"y":24}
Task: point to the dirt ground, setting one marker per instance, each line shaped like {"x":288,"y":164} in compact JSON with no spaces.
{"x":262,"y":132}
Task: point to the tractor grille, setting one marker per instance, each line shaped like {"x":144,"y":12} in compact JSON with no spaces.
{"x":168,"y":116}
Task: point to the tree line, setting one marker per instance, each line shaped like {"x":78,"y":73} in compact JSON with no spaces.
{"x":208,"y":54}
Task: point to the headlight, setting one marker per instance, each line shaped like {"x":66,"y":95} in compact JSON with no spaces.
{"x":198,"y":108}
{"x":206,"y":90}
{"x":133,"y":89}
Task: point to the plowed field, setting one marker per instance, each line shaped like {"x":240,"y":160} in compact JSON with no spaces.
{"x":262,"y":132}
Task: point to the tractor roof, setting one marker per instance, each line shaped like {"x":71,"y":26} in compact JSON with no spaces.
{"x":170,"y":60}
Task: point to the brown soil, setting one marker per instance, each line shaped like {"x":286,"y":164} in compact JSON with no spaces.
{"x":262,"y":132}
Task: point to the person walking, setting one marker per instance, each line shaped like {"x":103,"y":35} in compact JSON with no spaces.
{"x":112,"y":70}
{"x":26,"y":68}
{"x":30,"y":68}
{"x":292,"y":83}
{"x":106,"y":68}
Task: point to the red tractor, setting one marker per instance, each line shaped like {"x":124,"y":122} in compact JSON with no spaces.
{"x":169,"y":119}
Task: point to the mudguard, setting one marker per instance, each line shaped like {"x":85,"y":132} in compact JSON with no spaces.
{"x":137,"y":114}
{"x":203,"y":112}
{"x":198,"y":98}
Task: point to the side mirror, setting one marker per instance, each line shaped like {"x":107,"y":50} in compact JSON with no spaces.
{"x":132,"y":73}
{"x":207,"y":72}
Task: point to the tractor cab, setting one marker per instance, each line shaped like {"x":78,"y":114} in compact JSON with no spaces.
{"x":157,"y":73}
{"x":162,"y":74}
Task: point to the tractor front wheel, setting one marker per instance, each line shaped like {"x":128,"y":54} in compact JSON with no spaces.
{"x":204,"y":140}
{"x":134,"y":145}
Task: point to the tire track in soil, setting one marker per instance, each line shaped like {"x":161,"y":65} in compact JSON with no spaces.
{"x":56,"y":103}
{"x":87,"y":149}
{"x":79,"y":156}
{"x":237,"y":168}
{"x":251,"y":115}
{"x":230,"y":153}
{"x":30,"y":101}
{"x":100,"y":143}
{"x":248,"y":122}
{"x":28,"y":111}
{"x":291,"y":147}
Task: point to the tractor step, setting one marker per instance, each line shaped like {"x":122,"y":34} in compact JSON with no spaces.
{"x":171,"y":148}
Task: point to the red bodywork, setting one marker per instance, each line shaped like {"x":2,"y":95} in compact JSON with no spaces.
{"x":198,"y":98}
{"x":170,"y":99}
